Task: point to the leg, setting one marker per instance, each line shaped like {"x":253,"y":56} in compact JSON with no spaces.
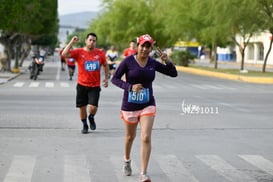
{"x":62,"y":64}
{"x":92,"y":112}
{"x":146,"y":123}
{"x":83,"y":116}
{"x":128,"y":142}
{"x":92,"y":109}
{"x":93,"y":100}
{"x":112,"y":72}
{"x":70,"y":73}
{"x":83,"y":113}
{"x":129,"y":139}
{"x":81,"y":103}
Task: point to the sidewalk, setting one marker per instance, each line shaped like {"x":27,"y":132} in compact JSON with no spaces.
{"x":234,"y":65}
{"x":7,"y":76}
{"x":230,"y":65}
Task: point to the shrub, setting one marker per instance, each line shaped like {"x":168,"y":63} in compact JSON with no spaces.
{"x":182,"y":58}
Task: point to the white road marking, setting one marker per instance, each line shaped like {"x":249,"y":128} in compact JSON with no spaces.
{"x":34,"y":84}
{"x":58,"y":75}
{"x":19,"y":84}
{"x":21,"y":169}
{"x":64,"y":84}
{"x":174,"y":169}
{"x":260,"y":162}
{"x":224,"y":168}
{"x":49,"y":84}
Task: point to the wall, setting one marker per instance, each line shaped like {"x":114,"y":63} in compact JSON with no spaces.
{"x":257,"y":49}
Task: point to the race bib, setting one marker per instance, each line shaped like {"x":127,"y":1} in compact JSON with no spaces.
{"x":140,"y":97}
{"x":91,"y":65}
{"x":71,"y":60}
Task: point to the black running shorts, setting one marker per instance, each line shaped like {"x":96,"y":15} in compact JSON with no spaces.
{"x":87,"y":95}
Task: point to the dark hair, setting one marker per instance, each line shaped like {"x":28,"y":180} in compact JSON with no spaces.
{"x":92,"y":34}
{"x":134,"y":40}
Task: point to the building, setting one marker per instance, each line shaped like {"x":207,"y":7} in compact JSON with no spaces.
{"x":194,"y":47}
{"x":257,"y":48}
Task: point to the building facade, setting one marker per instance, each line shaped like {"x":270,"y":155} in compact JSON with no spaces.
{"x":257,"y":48}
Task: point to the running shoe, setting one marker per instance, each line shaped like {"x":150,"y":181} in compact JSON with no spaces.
{"x":127,"y":170}
{"x":85,"y":129}
{"x":92,"y":123}
{"x":144,"y":178}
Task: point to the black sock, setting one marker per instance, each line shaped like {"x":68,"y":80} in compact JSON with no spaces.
{"x":91,"y":116}
{"x":84,"y":122}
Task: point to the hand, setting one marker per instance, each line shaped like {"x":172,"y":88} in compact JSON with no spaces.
{"x":75,"y":39}
{"x":105,"y":83}
{"x":162,"y":55}
{"x":137,"y":87}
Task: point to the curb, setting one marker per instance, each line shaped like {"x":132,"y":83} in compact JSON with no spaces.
{"x":5,"y":79}
{"x":261,"y":80}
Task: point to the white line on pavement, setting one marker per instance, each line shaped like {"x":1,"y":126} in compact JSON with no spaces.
{"x":224,"y":168}
{"x":34,"y":84}
{"x":49,"y":84}
{"x":21,"y":169}
{"x":19,"y":84}
{"x":58,"y":75}
{"x":174,"y":169}
{"x":260,"y":162}
{"x":64,"y":84}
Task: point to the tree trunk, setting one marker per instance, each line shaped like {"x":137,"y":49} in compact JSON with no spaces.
{"x":26,"y":48}
{"x":214,"y":49}
{"x":268,"y":52}
{"x":242,"y":51}
{"x":9,"y":56}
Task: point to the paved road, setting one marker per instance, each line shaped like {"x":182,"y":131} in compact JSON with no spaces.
{"x":206,"y":129}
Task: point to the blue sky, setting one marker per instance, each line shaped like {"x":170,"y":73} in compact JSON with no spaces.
{"x":75,"y":6}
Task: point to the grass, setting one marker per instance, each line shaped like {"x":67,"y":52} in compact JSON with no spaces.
{"x":234,"y":71}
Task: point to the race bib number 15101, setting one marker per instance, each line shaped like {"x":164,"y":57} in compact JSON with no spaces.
{"x":91,"y":65}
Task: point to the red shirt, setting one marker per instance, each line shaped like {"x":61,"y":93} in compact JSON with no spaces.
{"x":129,"y":52}
{"x":70,"y":61}
{"x":89,"y":64}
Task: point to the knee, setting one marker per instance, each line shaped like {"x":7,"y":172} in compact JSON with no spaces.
{"x":92,"y":109}
{"x":146,"y":138}
{"x":130,"y":137}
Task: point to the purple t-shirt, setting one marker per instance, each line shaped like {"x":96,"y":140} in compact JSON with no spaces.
{"x":135,"y":74}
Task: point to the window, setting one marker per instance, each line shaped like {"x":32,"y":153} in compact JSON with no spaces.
{"x":260,"y":52}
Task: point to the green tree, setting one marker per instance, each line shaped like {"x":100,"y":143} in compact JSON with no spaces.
{"x":265,"y":9}
{"x":211,"y":22}
{"x":214,"y":22}
{"x":23,"y":21}
{"x":243,"y":23}
{"x":123,"y":20}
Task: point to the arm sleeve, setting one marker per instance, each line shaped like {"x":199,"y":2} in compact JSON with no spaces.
{"x":168,"y":69}
{"x":120,"y":71}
